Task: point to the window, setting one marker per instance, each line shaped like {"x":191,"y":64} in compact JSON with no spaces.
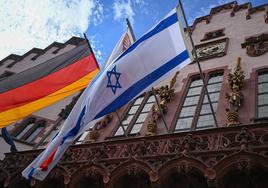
{"x":214,"y":87}
{"x":30,"y":129}
{"x":25,"y":130}
{"x":82,"y":137}
{"x":6,"y":74}
{"x":195,"y":112}
{"x":189,"y":106}
{"x":213,"y":34}
{"x":262,"y":97}
{"x":34,"y":134}
{"x":142,"y":116}
{"x":133,"y":121}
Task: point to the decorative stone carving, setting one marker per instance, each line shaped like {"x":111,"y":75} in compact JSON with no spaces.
{"x":256,"y":45}
{"x":221,"y":146}
{"x":244,"y":138}
{"x":104,"y":122}
{"x":212,"y":49}
{"x":166,"y":94}
{"x":151,"y":128}
{"x":92,"y":136}
{"x":235,"y":97}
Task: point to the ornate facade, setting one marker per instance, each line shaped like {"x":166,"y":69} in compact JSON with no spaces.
{"x":171,"y":140}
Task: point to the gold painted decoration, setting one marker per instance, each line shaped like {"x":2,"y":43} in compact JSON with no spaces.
{"x":235,"y":97}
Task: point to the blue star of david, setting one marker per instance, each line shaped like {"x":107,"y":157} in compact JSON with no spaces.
{"x":110,"y":83}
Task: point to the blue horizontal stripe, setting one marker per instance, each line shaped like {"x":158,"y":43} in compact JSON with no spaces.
{"x":160,"y":27}
{"x":139,"y":86}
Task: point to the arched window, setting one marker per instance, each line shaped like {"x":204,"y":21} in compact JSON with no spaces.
{"x":195,"y":112}
{"x":262,"y":94}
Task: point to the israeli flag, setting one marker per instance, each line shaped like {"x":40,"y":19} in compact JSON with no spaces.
{"x":143,"y":65}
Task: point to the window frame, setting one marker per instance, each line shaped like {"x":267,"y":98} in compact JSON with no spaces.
{"x":207,"y":76}
{"x":133,"y":120}
{"x":259,"y":72}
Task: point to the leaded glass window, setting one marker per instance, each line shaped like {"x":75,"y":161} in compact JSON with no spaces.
{"x":189,"y":106}
{"x":196,"y":112}
{"x":135,"y":117}
{"x":262,"y":104}
{"x":205,"y":118}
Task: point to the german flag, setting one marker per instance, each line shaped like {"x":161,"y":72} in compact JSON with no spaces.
{"x":44,"y":84}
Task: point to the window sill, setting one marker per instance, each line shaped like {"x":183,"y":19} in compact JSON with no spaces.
{"x":259,"y":120}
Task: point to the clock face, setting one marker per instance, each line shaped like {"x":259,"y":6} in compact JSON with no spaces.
{"x":211,"y":50}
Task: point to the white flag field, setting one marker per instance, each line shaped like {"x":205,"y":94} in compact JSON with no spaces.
{"x":143,"y":65}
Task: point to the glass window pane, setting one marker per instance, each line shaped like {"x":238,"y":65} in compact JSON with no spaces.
{"x":136,"y":128}
{"x":139,"y":100}
{"x":194,"y":91}
{"x":263,"y":111}
{"x":196,"y":83}
{"x":147,"y":107}
{"x":184,"y":123}
{"x":214,"y":87}
{"x":214,"y":97}
{"x":83,"y":136}
{"x":24,"y":131}
{"x":205,"y":121}
{"x":262,"y":88}
{"x":191,"y":101}
{"x":263,"y":99}
{"x":206,"y":108}
{"x":141,"y":117}
{"x":119,"y":131}
{"x":133,"y":109}
{"x":263,"y":77}
{"x":187,"y":111}
{"x":34,"y":134}
{"x":216,"y":78}
{"x":151,"y":99}
{"x":127,"y":119}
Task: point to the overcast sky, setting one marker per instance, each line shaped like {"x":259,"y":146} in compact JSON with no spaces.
{"x":30,"y":23}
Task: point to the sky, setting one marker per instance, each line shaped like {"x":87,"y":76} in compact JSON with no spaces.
{"x":25,"y":24}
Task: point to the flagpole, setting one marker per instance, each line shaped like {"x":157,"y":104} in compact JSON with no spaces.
{"x":160,"y":110}
{"x":121,"y":124}
{"x":91,"y":49}
{"x":131,"y":29}
{"x":198,"y":63}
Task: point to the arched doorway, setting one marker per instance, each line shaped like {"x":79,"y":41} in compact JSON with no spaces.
{"x":190,"y":179}
{"x":20,"y":183}
{"x":130,"y":180}
{"x":54,"y":182}
{"x":90,"y":181}
{"x":255,"y":177}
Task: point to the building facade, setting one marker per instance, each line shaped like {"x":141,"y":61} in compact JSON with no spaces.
{"x":174,"y":141}
{"x":35,"y":130}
